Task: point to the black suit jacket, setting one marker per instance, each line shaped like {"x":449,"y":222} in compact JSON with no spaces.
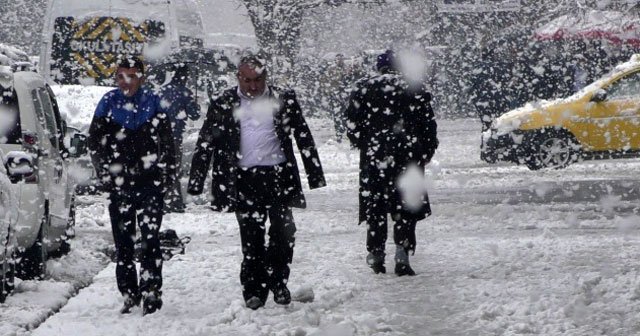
{"x":218,"y":146}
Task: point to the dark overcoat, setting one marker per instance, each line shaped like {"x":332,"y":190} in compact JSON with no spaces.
{"x":393,"y":125}
{"x":218,"y":146}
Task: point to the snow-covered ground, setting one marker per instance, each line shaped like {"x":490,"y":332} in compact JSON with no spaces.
{"x":506,"y":252}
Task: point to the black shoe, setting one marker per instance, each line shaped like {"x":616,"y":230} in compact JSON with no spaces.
{"x":281,"y":295}
{"x":254,"y":303}
{"x":129,"y":303}
{"x":378,"y":267}
{"x":404,"y":269}
{"x":151,"y":304}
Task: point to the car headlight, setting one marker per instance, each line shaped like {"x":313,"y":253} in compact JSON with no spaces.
{"x":506,"y":125}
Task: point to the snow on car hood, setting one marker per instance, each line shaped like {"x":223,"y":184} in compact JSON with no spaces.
{"x":511,"y":120}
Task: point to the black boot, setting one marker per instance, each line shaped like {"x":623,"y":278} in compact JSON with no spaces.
{"x":376,"y":262}
{"x":129,"y":303}
{"x":402,"y":262}
{"x":152,"y":302}
{"x":254,"y":303}
{"x":404,"y":269}
{"x":281,"y":295}
{"x":378,"y":267}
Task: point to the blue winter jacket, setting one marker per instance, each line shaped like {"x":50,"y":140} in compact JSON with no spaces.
{"x":131,"y":143}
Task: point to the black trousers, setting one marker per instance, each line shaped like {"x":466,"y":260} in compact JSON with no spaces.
{"x":385,"y":199}
{"x":144,"y":209}
{"x":173,"y":198}
{"x":265,"y":265}
{"x":404,"y":232}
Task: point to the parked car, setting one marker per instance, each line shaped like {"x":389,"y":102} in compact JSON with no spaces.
{"x":35,"y":160}
{"x":81,"y":170}
{"x":600,"y":121}
{"x":8,"y":244}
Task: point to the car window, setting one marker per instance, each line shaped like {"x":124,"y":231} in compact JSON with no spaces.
{"x":45,"y":114}
{"x":10,"y":129}
{"x":61,"y":130}
{"x":626,"y":87}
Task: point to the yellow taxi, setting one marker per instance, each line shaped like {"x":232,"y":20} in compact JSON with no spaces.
{"x":600,"y":121}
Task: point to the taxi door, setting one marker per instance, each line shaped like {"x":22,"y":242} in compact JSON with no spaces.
{"x":614,"y":123}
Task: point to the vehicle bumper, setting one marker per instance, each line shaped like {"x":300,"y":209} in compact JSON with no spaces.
{"x":499,"y":147}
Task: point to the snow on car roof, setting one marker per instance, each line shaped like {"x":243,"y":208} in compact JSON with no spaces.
{"x":633,"y":61}
{"x":10,"y":55}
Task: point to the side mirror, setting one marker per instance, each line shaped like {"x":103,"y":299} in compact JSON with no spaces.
{"x":78,"y":146}
{"x":599,"y":96}
{"x":20,"y":165}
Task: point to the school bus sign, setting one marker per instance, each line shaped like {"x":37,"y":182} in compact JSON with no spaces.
{"x":88,"y":49}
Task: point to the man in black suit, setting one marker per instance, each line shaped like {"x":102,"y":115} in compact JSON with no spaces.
{"x":248,"y":132}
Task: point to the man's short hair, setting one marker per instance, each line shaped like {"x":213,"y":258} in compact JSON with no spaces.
{"x":131,"y":62}
{"x":254,"y":61}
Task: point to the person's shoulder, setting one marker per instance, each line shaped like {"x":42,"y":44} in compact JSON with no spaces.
{"x":104,"y":106}
{"x":224,"y":99}
{"x":385,"y":81}
{"x":364,"y":80}
{"x":226,"y":95}
{"x":148,"y":91}
{"x":282,"y":92}
{"x":110,"y":95}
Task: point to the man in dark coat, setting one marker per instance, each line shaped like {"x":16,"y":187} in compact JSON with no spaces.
{"x":133,"y":153}
{"x":247,"y":134}
{"x":180,"y":105}
{"x":489,"y":88}
{"x":392,"y":124}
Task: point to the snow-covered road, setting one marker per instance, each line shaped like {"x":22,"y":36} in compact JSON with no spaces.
{"x":507,"y":252}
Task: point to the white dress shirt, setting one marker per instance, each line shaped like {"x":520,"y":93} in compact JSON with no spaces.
{"x":259,"y":143}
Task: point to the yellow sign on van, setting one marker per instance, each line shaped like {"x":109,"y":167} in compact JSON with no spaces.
{"x":88,"y":50}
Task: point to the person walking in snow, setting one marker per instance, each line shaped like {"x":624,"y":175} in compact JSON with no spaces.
{"x":246,"y":137}
{"x":180,"y":106}
{"x":391,"y":122}
{"x":334,"y":84}
{"x":489,"y":87}
{"x":132,"y":150}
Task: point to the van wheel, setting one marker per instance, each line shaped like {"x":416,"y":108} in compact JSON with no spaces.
{"x":33,"y":261}
{"x":7,"y":277}
{"x":551,"y":149}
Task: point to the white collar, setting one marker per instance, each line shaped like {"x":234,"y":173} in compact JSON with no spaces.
{"x":245,"y":97}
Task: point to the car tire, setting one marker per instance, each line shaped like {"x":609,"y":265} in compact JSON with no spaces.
{"x":33,"y":261}
{"x":550,"y":148}
{"x":7,"y":277}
